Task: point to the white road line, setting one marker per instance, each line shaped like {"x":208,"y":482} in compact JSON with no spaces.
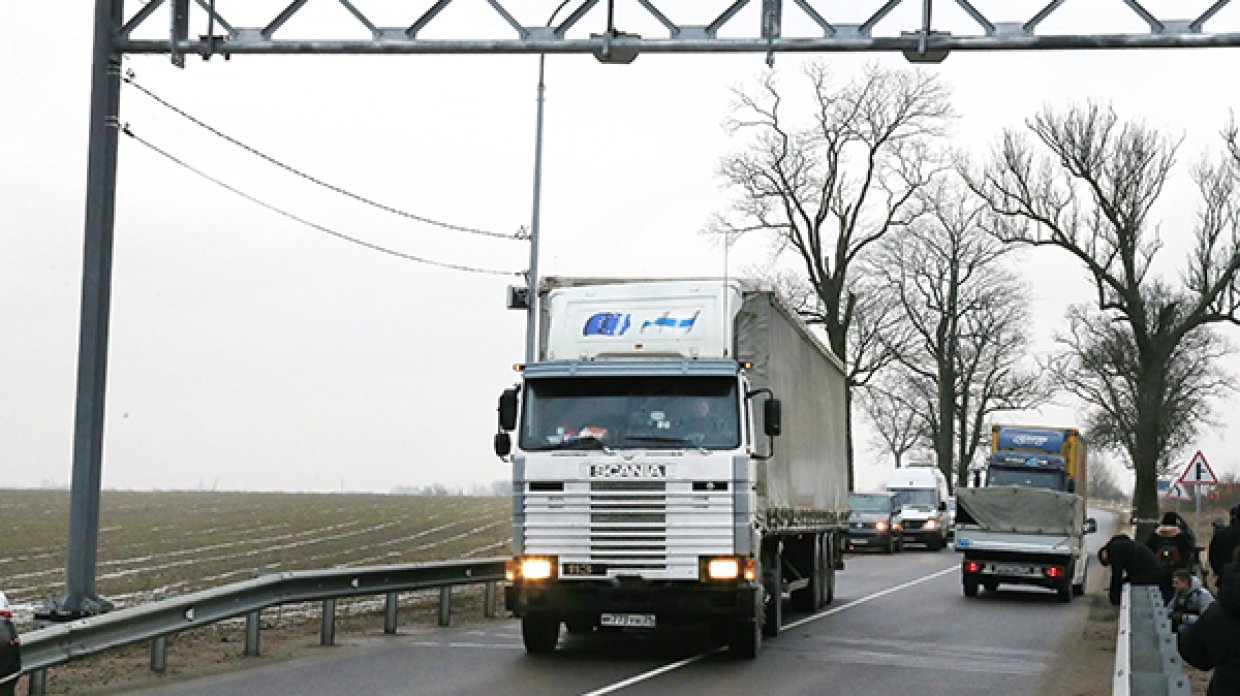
{"x":645,"y":676}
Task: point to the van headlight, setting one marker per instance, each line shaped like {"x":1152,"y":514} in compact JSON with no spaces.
{"x":931,"y":524}
{"x":880,"y":526}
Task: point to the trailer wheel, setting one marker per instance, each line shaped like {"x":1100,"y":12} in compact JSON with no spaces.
{"x":539,"y":633}
{"x":809,"y":599}
{"x":970,"y":587}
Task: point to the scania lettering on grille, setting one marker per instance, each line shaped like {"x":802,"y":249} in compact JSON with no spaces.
{"x":628,"y":470}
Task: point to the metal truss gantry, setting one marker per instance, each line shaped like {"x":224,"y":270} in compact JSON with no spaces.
{"x":781,"y":26}
{"x":591,"y":28}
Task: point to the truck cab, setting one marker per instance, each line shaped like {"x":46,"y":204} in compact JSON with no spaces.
{"x":921,"y":491}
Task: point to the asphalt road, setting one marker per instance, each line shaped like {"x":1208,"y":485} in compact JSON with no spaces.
{"x":899,"y":625}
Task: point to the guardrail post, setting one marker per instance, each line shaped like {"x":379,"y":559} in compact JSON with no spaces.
{"x":445,"y":605}
{"x":159,"y":654}
{"x":327,"y":634}
{"x":389,"y":613}
{"x":251,"y":633}
{"x":488,"y":606}
{"x":38,"y":682}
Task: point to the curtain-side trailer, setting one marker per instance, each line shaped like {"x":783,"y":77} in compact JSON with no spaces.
{"x":679,"y":458}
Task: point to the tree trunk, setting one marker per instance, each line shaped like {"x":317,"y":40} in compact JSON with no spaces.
{"x":848,"y":431}
{"x":1145,"y":452}
{"x":944,"y":444}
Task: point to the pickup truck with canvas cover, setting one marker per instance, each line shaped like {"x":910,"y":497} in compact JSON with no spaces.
{"x":1027,"y":525}
{"x":679,"y":458}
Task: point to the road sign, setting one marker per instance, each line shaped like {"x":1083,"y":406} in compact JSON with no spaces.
{"x":1198,"y":472}
{"x":1178,"y":492}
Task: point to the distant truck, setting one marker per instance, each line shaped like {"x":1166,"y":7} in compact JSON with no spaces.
{"x":679,"y":458}
{"x":1027,"y":525}
{"x":921,"y":490}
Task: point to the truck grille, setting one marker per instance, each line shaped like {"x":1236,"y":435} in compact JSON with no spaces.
{"x":628,"y":524}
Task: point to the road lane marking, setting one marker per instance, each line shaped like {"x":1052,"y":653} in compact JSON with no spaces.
{"x":646,"y":676}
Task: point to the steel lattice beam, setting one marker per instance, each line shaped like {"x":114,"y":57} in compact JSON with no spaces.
{"x":590,"y":29}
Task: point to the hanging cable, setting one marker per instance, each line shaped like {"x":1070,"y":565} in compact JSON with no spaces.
{"x":313,"y":225}
{"x":129,"y":78}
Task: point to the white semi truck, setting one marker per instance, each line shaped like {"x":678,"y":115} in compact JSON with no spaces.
{"x":679,"y":458}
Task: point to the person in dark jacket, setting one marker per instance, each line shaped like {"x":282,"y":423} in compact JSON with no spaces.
{"x":1213,"y":642}
{"x":1223,"y":545}
{"x":1173,"y":548}
{"x":1130,"y":562}
{"x":10,"y":650}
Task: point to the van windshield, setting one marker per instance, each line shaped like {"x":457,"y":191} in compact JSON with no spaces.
{"x":917,"y":497}
{"x":868,"y":503}
{"x":645,"y":412}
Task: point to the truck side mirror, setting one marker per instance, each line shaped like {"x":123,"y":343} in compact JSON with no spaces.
{"x":772,"y":417}
{"x":508,"y":409}
{"x":1090,"y":526}
{"x":1071,"y":486}
{"x":942,"y":506}
{"x":503,"y":445}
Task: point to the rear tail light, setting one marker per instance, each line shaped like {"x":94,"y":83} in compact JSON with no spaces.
{"x":1053,"y":572}
{"x":972,"y":566}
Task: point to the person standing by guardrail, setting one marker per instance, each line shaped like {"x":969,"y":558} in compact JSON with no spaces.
{"x":1130,"y":562}
{"x":1174,"y":548}
{"x":10,"y":650}
{"x":1223,"y":545}
{"x":1213,"y":642}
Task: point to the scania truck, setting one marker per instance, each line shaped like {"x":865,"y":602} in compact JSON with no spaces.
{"x":1027,"y":524}
{"x":679,"y":457}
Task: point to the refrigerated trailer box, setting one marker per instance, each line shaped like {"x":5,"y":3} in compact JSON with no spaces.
{"x":680,"y":456}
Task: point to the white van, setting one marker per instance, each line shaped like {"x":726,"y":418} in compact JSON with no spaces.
{"x":922,"y":492}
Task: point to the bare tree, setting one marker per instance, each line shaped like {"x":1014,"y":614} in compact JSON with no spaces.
{"x":893,"y":405}
{"x":966,"y":316}
{"x":829,"y":189}
{"x":1086,"y":183}
{"x":1099,"y":364}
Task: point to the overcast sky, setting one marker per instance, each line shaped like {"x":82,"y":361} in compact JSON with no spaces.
{"x":252,"y":352}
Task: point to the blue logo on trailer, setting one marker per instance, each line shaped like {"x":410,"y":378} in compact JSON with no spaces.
{"x":667,"y":321}
{"x":1030,"y":439}
{"x":607,"y":324}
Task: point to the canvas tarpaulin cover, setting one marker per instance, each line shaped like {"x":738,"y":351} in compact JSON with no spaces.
{"x":1023,"y":510}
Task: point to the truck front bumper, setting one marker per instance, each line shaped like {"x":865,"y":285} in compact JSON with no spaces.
{"x":671,"y":602}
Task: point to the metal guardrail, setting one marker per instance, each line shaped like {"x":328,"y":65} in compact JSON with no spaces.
{"x":60,"y":643}
{"x":1147,"y":662}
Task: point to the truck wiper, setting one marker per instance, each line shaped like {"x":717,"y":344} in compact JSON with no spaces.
{"x":586,"y":442}
{"x":668,"y":439}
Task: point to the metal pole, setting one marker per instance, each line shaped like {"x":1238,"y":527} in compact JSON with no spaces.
{"x":445,"y":605}
{"x":389,"y":613}
{"x":38,"y":683}
{"x":96,"y":301}
{"x":488,"y":607}
{"x":531,"y":317}
{"x":159,"y":654}
{"x":327,"y":634}
{"x":251,"y":633}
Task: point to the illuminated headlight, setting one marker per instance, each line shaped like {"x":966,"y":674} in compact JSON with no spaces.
{"x":725,"y":568}
{"x":931,"y":524}
{"x":530,"y":568}
{"x":880,"y":525}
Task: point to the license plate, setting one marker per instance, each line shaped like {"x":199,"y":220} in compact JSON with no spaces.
{"x":627,"y":620}
{"x":580,"y":569}
{"x":1002,"y":569}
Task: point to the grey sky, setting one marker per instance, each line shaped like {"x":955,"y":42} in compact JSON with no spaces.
{"x":254,"y":352}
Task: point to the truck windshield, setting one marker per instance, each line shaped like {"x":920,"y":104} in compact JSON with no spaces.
{"x":917,"y":497}
{"x":869,"y":503}
{"x":645,"y":412}
{"x":1031,"y":478}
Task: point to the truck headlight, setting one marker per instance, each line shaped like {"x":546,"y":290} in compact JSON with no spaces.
{"x":531,"y":568}
{"x":931,"y":524}
{"x":880,"y":526}
{"x":726,"y":568}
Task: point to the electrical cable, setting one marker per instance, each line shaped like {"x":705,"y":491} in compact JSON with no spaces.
{"x":313,"y":225}
{"x":130,"y":79}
